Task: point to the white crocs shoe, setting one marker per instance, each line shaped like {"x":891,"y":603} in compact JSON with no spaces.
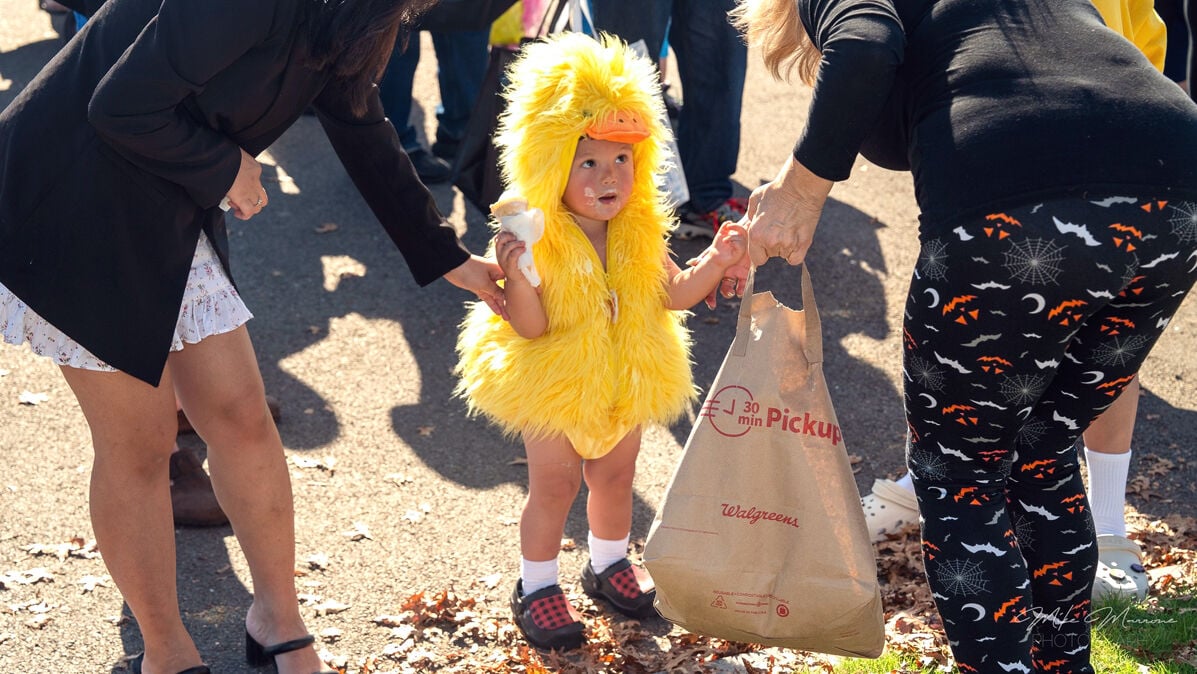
{"x":888,"y":508}
{"x":1120,"y":572}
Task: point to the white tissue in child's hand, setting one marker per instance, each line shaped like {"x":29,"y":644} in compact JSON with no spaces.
{"x":528,"y":226}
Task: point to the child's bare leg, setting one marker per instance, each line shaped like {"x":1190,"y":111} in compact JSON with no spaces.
{"x":553,"y":482}
{"x":609,"y":479}
{"x":609,"y":574}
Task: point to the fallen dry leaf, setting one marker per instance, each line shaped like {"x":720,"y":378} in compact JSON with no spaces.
{"x":330,"y":607}
{"x":491,"y":581}
{"x":90,"y":583}
{"x":35,"y":575}
{"x":399,"y":478}
{"x":30,"y":398}
{"x":76,"y":547}
{"x":327,"y":463}
{"x":358,"y":532}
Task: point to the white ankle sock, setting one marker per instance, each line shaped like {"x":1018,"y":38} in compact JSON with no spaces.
{"x":1107,"y":490}
{"x":604,"y":553}
{"x":537,"y":575}
{"x":906,"y":482}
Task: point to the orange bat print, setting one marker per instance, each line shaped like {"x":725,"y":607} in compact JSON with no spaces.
{"x":957,"y":408}
{"x":1130,"y":287}
{"x":992,"y":455}
{"x":1036,"y":464}
{"x":992,"y":364}
{"x":1126,"y":229}
{"x":1066,"y":304}
{"x":1005,"y":607}
{"x":957,"y":301}
{"x":1112,"y":325}
{"x":1115,"y":386}
{"x":909,"y":339}
{"x":965,"y":491}
{"x":1042,"y":571}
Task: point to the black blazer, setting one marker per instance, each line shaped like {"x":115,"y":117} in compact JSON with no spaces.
{"x":118,"y":153}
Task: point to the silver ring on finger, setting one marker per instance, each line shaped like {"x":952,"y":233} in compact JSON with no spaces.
{"x":258,"y":202}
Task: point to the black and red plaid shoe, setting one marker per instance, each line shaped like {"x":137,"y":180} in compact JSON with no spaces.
{"x":546,"y":618}
{"x":628,"y":588}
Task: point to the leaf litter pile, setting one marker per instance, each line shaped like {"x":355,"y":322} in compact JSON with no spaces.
{"x":460,"y":631}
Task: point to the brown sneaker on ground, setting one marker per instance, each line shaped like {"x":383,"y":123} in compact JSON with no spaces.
{"x":191,"y":496}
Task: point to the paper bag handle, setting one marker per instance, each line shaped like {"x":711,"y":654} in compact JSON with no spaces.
{"x":812,"y":345}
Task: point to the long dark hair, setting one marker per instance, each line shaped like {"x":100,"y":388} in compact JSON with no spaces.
{"x":353,"y":38}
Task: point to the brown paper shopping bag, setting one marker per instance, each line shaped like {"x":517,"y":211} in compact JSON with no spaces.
{"x":761,"y":537}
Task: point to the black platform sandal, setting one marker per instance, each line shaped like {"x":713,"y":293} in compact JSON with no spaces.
{"x":258,"y":655}
{"x":135,"y":666}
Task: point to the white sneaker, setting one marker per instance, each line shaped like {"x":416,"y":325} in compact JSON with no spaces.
{"x":1120,"y":572}
{"x":888,"y":508}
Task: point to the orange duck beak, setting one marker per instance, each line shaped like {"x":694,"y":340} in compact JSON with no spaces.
{"x":620,"y":127}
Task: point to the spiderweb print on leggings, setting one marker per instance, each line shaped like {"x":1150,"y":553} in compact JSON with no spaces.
{"x":1184,"y":221}
{"x":962,"y":577}
{"x":1035,"y":261}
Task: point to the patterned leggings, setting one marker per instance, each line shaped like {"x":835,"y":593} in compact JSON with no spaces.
{"x":1020,"y":327}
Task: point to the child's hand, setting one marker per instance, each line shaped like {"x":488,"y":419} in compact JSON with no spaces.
{"x":730,"y":244}
{"x":508,"y":249}
{"x":729,"y":253}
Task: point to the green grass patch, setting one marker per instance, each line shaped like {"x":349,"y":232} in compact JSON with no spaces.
{"x":1159,"y":636}
{"x":1156,"y":637}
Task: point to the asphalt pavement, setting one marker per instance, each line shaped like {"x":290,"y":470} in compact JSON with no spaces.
{"x":397,"y":491}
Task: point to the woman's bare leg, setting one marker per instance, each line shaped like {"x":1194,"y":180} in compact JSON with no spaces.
{"x":220,"y":388}
{"x":132,"y":426}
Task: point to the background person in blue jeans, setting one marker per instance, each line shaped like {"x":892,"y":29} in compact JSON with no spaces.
{"x":711,"y":59}
{"x":461,"y":65}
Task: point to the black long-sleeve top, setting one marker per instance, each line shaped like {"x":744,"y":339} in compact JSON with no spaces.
{"x":115,"y":157}
{"x":992,"y":102}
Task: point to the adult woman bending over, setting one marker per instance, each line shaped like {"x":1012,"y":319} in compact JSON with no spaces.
{"x":114,"y":262}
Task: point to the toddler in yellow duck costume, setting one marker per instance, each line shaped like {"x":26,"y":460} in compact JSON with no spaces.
{"x":599,"y":348}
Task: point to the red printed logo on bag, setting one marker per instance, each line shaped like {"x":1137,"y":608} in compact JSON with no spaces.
{"x":722,"y":409}
{"x":733,"y":412}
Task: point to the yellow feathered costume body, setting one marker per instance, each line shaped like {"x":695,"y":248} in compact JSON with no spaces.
{"x":613,"y":356}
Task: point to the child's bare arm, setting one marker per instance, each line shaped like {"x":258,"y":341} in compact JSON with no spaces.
{"x":524,"y":309}
{"x":690,"y":286}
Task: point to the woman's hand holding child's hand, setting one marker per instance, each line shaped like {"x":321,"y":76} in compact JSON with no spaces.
{"x":728,"y":252}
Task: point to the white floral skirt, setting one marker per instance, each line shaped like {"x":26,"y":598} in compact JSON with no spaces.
{"x":211,"y":306}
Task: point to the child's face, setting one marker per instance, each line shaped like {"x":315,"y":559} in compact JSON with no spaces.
{"x":600,"y":179}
